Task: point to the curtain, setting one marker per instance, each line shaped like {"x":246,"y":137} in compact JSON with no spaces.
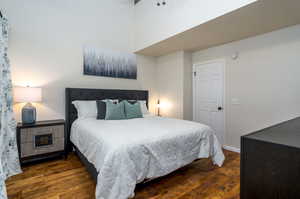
{"x":9,"y":160}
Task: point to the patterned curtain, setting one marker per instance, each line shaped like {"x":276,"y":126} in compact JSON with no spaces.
{"x":9,"y":160}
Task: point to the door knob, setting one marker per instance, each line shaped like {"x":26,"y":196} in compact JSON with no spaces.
{"x":220,"y":108}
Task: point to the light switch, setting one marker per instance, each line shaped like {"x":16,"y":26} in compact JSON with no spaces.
{"x":235,"y":101}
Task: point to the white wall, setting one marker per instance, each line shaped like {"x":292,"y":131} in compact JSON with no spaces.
{"x":174,"y":81}
{"x":46,"y":42}
{"x":265,"y":79}
{"x":170,"y":84}
{"x":187,"y":86}
{"x":154,"y":24}
{"x":45,"y":49}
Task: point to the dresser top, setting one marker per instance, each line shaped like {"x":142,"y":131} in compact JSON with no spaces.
{"x":286,"y":133}
{"x":42,"y":123}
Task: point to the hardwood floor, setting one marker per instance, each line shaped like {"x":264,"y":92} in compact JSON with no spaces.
{"x":60,"y":179}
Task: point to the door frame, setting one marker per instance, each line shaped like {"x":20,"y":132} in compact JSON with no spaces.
{"x":223,"y":62}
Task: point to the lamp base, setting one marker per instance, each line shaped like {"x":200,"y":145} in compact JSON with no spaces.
{"x":28,"y":114}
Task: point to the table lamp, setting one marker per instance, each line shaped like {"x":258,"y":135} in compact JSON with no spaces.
{"x":158,"y":105}
{"x":28,"y":95}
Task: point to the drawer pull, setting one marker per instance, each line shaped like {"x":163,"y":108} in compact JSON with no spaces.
{"x":43,"y":140}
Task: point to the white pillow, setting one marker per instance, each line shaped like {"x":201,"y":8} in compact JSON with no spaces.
{"x":144,"y":108}
{"x":86,"y":109}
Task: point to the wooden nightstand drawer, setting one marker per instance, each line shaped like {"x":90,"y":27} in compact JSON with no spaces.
{"x":41,"y":140}
{"x":28,"y":134}
{"x":30,"y":148}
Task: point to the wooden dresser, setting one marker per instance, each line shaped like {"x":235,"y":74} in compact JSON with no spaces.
{"x":41,"y":140}
{"x":270,"y":162}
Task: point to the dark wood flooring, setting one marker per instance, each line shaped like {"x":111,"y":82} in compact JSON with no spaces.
{"x":68,"y":179}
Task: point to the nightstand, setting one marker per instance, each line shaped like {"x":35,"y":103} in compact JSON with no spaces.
{"x":41,"y":140}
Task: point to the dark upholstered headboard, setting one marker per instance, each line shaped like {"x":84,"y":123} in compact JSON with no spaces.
{"x":73,"y":94}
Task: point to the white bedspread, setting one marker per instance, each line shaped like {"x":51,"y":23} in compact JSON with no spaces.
{"x":126,"y":152}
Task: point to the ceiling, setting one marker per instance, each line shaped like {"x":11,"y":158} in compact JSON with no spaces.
{"x":257,"y":18}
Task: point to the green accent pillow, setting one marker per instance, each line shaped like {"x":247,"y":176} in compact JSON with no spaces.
{"x":115,"y":111}
{"x":133,"y":110}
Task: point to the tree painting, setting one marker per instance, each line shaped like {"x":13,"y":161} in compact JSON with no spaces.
{"x":108,"y":63}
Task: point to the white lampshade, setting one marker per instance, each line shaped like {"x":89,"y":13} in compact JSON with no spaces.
{"x":27,"y":94}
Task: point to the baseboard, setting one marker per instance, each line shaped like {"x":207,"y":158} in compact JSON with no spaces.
{"x":231,"y":148}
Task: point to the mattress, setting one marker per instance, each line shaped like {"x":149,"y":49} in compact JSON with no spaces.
{"x":126,"y":152}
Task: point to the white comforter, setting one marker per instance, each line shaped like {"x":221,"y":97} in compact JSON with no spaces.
{"x":126,"y":152}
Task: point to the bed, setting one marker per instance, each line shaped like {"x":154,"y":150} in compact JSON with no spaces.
{"x":122,"y":153}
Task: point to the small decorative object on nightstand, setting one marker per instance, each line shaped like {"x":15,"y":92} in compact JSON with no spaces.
{"x":41,"y":140}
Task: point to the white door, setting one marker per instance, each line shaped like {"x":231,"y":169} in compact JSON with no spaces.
{"x":208,"y":86}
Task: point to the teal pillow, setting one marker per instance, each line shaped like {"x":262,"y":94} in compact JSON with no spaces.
{"x":115,"y":111}
{"x":133,"y":110}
